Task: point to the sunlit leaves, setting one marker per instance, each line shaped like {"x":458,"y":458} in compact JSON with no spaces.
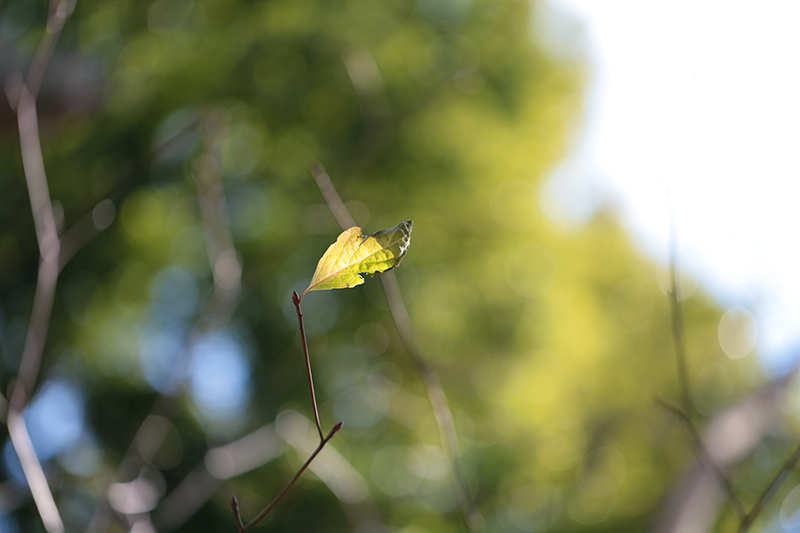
{"x":354,"y":254}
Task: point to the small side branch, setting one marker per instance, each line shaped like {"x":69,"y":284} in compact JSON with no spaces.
{"x":765,"y":496}
{"x":236,"y":513}
{"x":235,"y":504}
{"x":323,"y":440}
{"x":746,"y":519}
{"x":708,"y":461}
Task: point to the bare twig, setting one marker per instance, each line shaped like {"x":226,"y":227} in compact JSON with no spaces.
{"x":323,"y":440}
{"x":677,"y":320}
{"x":34,"y":473}
{"x":296,"y":302}
{"x":23,"y":101}
{"x":59,"y":11}
{"x":226,"y":462}
{"x":429,"y":377}
{"x":49,"y":249}
{"x":707,"y":460}
{"x":279,"y":497}
{"x":685,"y":412}
{"x":765,"y":496}
{"x":236,"y":514}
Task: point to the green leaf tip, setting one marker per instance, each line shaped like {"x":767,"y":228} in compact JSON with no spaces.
{"x":353,"y":254}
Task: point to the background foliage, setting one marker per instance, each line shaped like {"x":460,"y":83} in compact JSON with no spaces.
{"x":552,"y":343}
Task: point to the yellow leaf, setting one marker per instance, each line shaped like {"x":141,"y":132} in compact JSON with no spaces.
{"x":354,"y":254}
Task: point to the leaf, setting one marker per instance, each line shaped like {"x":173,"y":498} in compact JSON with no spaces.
{"x":354,"y":254}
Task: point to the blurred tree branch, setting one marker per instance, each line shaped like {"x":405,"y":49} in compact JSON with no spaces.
{"x":22,"y":97}
{"x":707,"y":460}
{"x":677,"y":322}
{"x":226,"y":269}
{"x":49,"y":249}
{"x":426,"y":372}
{"x":219,"y":464}
{"x":705,"y":456}
{"x":765,"y":496}
{"x":37,"y":481}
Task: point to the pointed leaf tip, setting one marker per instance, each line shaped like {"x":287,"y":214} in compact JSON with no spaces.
{"x":353,"y":254}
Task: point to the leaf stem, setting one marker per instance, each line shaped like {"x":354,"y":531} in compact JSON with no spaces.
{"x":296,"y":301}
{"x":279,"y":497}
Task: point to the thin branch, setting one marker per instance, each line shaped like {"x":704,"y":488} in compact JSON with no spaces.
{"x":24,"y":103}
{"x":49,"y":249}
{"x":765,"y":496}
{"x":707,"y":460}
{"x":746,"y":518}
{"x":677,"y":319}
{"x":436,"y":395}
{"x":296,"y":302}
{"x":219,"y":465}
{"x":59,"y":11}
{"x":250,"y":452}
{"x":429,"y":377}
{"x":3,"y":412}
{"x":21,"y":440}
{"x":164,"y":147}
{"x":223,"y":259}
{"x":279,"y":497}
{"x":236,"y":514}
{"x":225,"y":266}
{"x":331,"y":196}
{"x":84,"y":230}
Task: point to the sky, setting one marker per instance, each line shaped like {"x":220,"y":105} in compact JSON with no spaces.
{"x":695,"y":104}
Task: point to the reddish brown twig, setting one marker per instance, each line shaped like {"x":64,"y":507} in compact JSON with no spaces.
{"x":323,"y":440}
{"x":279,"y":497}
{"x":296,"y":302}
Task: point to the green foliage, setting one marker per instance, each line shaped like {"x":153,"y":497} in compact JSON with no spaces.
{"x":551,"y":342}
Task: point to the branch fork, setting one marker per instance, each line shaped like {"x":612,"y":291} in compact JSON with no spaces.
{"x":323,"y":440}
{"x":684,"y":413}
